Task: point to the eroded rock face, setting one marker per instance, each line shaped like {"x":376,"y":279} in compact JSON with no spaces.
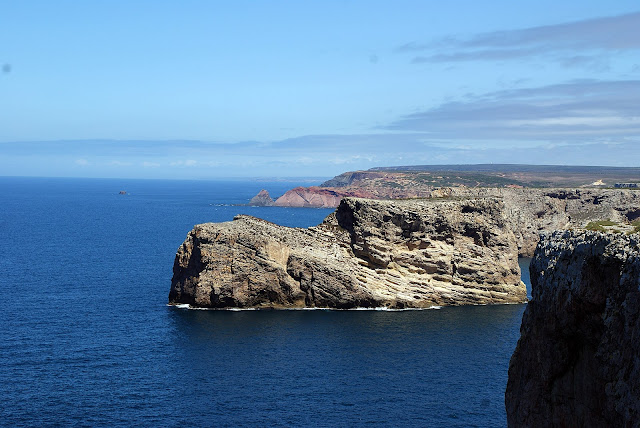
{"x":532,"y":211}
{"x":529,"y":211}
{"x":367,"y":254}
{"x":577,"y":362}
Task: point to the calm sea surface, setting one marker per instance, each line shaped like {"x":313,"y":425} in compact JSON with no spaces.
{"x":87,"y":337}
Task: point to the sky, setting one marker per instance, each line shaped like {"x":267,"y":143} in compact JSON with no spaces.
{"x":213,"y":89}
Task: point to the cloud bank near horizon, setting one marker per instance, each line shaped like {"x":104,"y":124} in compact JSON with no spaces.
{"x":553,"y":94}
{"x":579,"y":111}
{"x":585,"y":122}
{"x":309,"y":156}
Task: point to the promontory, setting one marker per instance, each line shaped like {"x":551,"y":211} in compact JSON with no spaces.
{"x":394,"y":254}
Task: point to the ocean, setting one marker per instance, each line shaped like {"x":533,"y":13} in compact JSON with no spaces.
{"x":87,"y":337}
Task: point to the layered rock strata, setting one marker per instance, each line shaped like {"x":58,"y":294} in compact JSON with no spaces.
{"x":396,"y":254}
{"x":577,"y":362}
{"x":532,"y":211}
{"x":529,"y":211}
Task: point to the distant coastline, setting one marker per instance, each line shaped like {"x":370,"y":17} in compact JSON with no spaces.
{"x":420,"y":181}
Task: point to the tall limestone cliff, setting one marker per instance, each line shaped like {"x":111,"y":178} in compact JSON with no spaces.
{"x":577,"y":362}
{"x":396,"y":254}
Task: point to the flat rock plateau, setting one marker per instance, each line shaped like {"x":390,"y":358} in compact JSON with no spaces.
{"x":395,"y":254}
{"x":577,"y":362}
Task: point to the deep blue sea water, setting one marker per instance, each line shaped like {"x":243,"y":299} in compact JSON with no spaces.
{"x":87,"y":337}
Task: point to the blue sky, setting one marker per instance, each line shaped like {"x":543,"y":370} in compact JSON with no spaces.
{"x":206,"y":89}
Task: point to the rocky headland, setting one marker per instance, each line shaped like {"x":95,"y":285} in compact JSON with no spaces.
{"x":423,"y":181}
{"x":311,"y":197}
{"x":395,"y":254}
{"x":577,"y":362}
{"x":327,"y":197}
{"x":536,"y":197}
{"x":529,"y":211}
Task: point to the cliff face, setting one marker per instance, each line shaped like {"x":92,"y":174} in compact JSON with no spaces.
{"x":532,"y":211}
{"x":577,"y":362}
{"x":528,"y":211}
{"x":367,"y":254}
{"x":330,"y":197}
{"x":312,"y":197}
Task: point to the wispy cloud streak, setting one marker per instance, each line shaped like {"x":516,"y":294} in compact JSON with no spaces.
{"x":617,"y":33}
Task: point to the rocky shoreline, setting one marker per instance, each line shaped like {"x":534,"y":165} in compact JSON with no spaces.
{"x":393,"y":254}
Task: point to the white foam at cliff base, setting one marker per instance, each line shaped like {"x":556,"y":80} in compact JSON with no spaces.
{"x":385,"y":309}
{"x":380,"y":308}
{"x":195,"y":308}
{"x":181,"y":306}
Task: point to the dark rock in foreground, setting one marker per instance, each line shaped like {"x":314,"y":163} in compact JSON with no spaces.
{"x":367,"y":254}
{"x":577,"y":362}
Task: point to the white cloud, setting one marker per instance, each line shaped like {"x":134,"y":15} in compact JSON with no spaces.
{"x":576,"y":110}
{"x":572,"y":44}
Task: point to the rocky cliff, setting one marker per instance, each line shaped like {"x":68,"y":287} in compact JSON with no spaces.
{"x":529,"y":211}
{"x":310,"y":197}
{"x":396,"y":254}
{"x":326,"y":197}
{"x":532,"y":211}
{"x":577,"y":362}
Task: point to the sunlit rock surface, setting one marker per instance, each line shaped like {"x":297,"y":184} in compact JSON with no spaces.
{"x":397,"y":254}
